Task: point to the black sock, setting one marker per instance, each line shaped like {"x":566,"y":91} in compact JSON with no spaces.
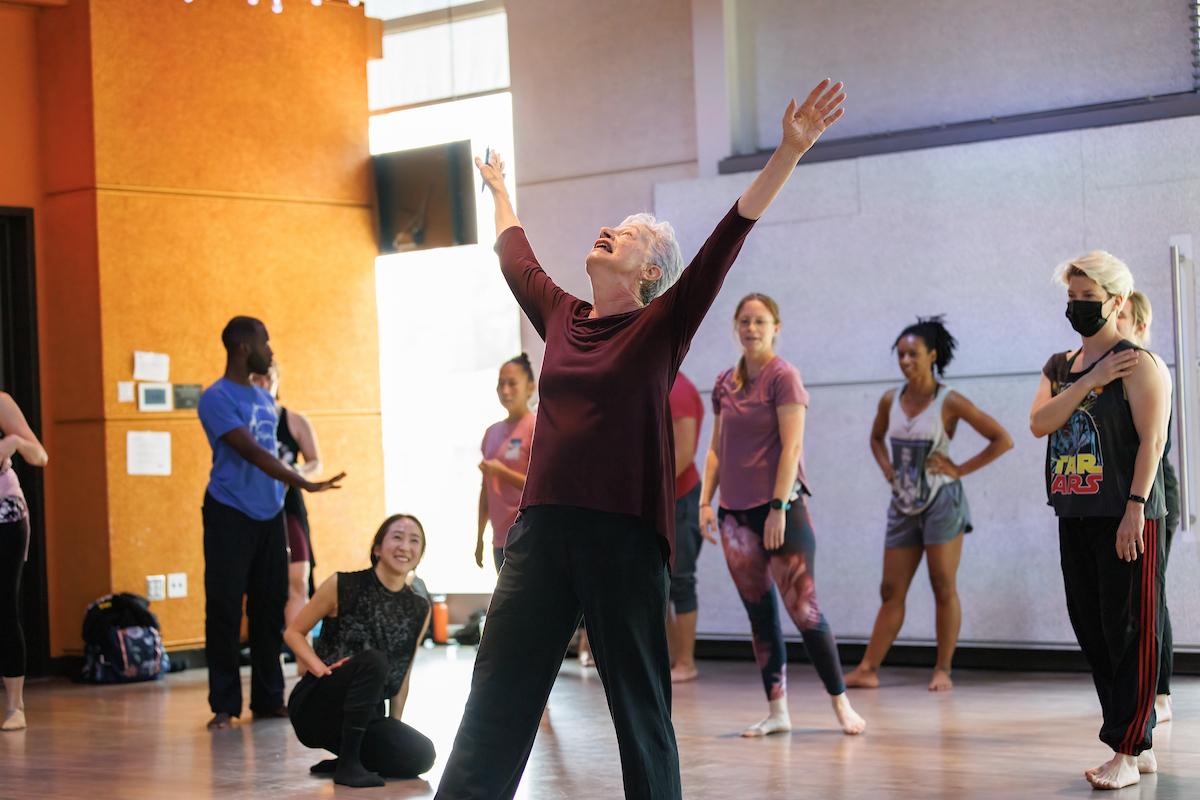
{"x":350,"y":771}
{"x":326,"y":767}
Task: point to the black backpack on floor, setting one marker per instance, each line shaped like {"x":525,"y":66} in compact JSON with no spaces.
{"x":122,"y":643}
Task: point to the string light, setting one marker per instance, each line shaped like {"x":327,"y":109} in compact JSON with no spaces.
{"x":277,"y":5}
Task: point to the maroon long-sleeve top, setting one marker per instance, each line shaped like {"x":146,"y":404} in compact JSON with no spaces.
{"x":603,"y":438}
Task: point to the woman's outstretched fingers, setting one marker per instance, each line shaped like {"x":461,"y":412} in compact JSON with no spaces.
{"x":827,"y":99}
{"x":813,"y":96}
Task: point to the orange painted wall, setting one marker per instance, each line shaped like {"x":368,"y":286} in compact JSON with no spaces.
{"x":200,"y":160}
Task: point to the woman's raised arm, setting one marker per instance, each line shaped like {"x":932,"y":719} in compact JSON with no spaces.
{"x":801,"y":128}
{"x":322,"y":604}
{"x":492,"y":172}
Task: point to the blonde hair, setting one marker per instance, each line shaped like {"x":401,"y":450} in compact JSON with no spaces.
{"x":1104,"y":268}
{"x":1140,"y":314}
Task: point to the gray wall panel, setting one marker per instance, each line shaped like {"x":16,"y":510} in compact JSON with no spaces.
{"x":973,"y":231}
{"x":931,"y":62}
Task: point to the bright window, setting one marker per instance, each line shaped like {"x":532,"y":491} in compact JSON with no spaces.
{"x":447,"y":321}
{"x":392,"y":9}
{"x":441,"y":61}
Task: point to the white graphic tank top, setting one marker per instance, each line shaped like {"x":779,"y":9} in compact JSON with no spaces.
{"x":912,"y":441}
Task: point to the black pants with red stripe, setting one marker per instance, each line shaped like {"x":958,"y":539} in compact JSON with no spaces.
{"x":1116,"y":609}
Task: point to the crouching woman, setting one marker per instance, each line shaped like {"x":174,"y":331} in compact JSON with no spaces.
{"x":372,"y":623}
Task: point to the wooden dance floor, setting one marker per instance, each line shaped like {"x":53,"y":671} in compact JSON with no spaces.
{"x":997,"y":735}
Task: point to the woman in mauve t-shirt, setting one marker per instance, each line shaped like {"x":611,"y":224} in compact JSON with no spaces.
{"x":757,"y":458}
{"x":506,"y":457}
{"x":597,"y":525}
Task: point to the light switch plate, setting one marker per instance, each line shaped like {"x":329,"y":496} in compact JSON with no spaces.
{"x":156,"y":587}
{"x":177,"y":584}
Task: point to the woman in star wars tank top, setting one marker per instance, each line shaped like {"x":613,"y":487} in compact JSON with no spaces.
{"x":1103,"y":408}
{"x":929,"y":513}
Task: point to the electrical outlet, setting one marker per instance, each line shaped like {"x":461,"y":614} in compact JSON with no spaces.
{"x":177,"y":584}
{"x":156,"y":587}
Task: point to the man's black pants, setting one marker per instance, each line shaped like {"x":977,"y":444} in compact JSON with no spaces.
{"x":1116,"y":611}
{"x":243,"y":556}
{"x":559,"y":561}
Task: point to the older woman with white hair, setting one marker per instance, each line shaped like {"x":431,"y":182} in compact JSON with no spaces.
{"x":1104,"y":407}
{"x":596,"y":531}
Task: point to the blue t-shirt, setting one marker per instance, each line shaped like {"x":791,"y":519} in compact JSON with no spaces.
{"x":234,"y":481}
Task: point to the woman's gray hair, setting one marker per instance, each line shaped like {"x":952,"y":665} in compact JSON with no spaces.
{"x":662,"y":251}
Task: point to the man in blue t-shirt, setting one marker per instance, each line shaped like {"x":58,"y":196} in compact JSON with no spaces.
{"x":245,"y":540}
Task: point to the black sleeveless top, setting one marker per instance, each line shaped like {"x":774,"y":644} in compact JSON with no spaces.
{"x":1090,"y":459}
{"x":289,"y":453}
{"x":372,"y":618}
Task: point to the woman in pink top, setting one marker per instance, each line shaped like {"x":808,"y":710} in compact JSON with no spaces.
{"x":596,"y":531}
{"x":506,"y":457}
{"x":16,"y":438}
{"x":757,"y":458}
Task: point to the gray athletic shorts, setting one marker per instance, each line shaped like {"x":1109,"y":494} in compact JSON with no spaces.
{"x":942,"y":520}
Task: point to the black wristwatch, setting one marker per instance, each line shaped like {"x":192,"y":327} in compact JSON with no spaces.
{"x":1137,"y":499}
{"x":780,"y":505}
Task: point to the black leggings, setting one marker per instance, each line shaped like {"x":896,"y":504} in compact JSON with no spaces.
{"x":14,"y":539}
{"x":352,"y":695}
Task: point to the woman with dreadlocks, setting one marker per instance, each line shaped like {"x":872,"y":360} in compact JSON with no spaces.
{"x":928,"y":514}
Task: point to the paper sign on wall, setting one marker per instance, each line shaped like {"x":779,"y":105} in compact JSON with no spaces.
{"x":155,"y":367}
{"x":125,"y":393}
{"x":148,"y":453}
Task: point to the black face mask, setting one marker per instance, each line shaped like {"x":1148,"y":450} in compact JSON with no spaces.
{"x":1086,"y":316}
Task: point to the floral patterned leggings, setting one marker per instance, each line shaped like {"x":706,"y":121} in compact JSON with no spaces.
{"x":756,"y":572}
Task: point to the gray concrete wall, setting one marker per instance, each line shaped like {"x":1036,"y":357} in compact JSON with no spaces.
{"x":853,"y":251}
{"x":916,"y":63}
{"x":603,"y":109}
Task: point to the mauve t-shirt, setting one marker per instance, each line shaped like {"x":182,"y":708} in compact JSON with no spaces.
{"x":509,"y":442}
{"x":604,"y":436}
{"x":750,"y":443}
{"x":686,"y":402}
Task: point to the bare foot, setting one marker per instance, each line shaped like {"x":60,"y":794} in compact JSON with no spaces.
{"x":778,"y":721}
{"x":863,"y":678}
{"x":941,"y":681}
{"x":1147,"y":762}
{"x":15,"y":720}
{"x":1162,"y":708}
{"x":684,"y":673}
{"x":220,"y":721}
{"x":852,"y":724}
{"x":1119,"y":772}
{"x":585,"y":658}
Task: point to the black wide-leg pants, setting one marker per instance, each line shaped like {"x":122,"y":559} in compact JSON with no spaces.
{"x":1116,"y":610}
{"x":561,"y":561}
{"x":243,"y":556}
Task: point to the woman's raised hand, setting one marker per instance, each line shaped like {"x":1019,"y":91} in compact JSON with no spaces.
{"x":804,"y":125}
{"x":492,"y":172}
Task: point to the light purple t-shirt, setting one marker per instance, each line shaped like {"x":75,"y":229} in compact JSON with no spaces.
{"x":750,"y":443}
{"x":509,"y":442}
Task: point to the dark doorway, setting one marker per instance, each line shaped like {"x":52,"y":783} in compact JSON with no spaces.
{"x":20,"y":378}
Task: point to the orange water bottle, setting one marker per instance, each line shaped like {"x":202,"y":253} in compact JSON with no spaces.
{"x":441,"y":619}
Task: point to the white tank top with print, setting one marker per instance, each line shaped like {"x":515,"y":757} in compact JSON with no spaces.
{"x":913,"y":440}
